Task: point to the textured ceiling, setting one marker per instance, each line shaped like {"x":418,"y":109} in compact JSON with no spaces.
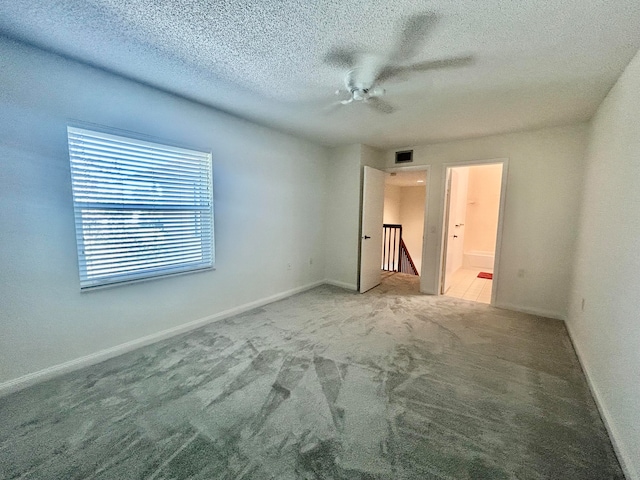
{"x":536,"y":63}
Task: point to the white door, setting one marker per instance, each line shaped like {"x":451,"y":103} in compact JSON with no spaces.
{"x":371,"y":234}
{"x":451,"y":244}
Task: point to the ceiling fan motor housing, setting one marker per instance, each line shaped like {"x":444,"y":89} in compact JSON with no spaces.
{"x":359,"y":94}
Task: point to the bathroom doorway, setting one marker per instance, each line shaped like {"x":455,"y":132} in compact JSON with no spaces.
{"x":471,"y":230}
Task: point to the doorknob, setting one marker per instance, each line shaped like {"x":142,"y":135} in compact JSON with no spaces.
{"x":366,"y":237}
{"x":455,"y":236}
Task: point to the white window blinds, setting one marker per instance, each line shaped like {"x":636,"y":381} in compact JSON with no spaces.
{"x":142,"y":209}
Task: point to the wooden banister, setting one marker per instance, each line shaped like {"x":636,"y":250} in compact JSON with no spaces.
{"x":406,"y":262}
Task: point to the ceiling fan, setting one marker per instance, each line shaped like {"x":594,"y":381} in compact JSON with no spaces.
{"x":366,"y":72}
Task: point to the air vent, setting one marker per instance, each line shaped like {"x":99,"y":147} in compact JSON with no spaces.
{"x":405,"y":156}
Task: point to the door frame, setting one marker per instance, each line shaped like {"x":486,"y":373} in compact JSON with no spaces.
{"x":427,"y":169}
{"x":501,"y":210}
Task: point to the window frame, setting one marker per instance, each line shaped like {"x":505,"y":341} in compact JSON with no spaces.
{"x":140,"y":207}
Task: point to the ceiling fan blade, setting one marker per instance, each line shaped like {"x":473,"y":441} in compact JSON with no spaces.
{"x":388,"y":72}
{"x":414,"y":33}
{"x":453,"y":62}
{"x":332,"y":107}
{"x":376,"y":92}
{"x":380,"y":105}
{"x":395,"y":71}
{"x":342,"y":57}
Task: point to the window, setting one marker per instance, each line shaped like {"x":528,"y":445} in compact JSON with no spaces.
{"x":142,"y":209}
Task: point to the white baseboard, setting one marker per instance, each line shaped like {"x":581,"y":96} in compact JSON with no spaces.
{"x":622,"y":453}
{"x":76,"y":364}
{"x":337,"y":283}
{"x":532,"y":311}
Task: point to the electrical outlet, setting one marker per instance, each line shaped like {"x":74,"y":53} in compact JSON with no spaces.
{"x":288,"y":266}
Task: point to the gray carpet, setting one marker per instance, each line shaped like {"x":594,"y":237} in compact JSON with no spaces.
{"x":328,"y":384}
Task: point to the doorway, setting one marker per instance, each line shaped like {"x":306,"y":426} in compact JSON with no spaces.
{"x":372,"y":231}
{"x":471,"y":230}
{"x":405,"y":195}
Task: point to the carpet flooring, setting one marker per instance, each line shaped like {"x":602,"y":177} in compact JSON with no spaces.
{"x":328,"y":384}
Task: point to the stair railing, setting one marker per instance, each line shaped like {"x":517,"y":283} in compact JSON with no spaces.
{"x":406,"y":262}
{"x":395,"y":255}
{"x":391,"y":238}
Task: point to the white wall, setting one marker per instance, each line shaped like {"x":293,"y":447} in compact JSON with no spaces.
{"x":412,"y":219}
{"x":607,"y":268}
{"x":269,"y":211}
{"x":391,"y":204}
{"x":343,"y":201}
{"x":342,"y":235}
{"x":371,"y":157}
{"x":483,"y":205}
{"x":542,"y":204}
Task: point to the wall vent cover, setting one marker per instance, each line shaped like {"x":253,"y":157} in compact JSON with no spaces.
{"x":404,"y":156}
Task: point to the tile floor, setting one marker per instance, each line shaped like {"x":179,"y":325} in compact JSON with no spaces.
{"x":466,"y":285}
